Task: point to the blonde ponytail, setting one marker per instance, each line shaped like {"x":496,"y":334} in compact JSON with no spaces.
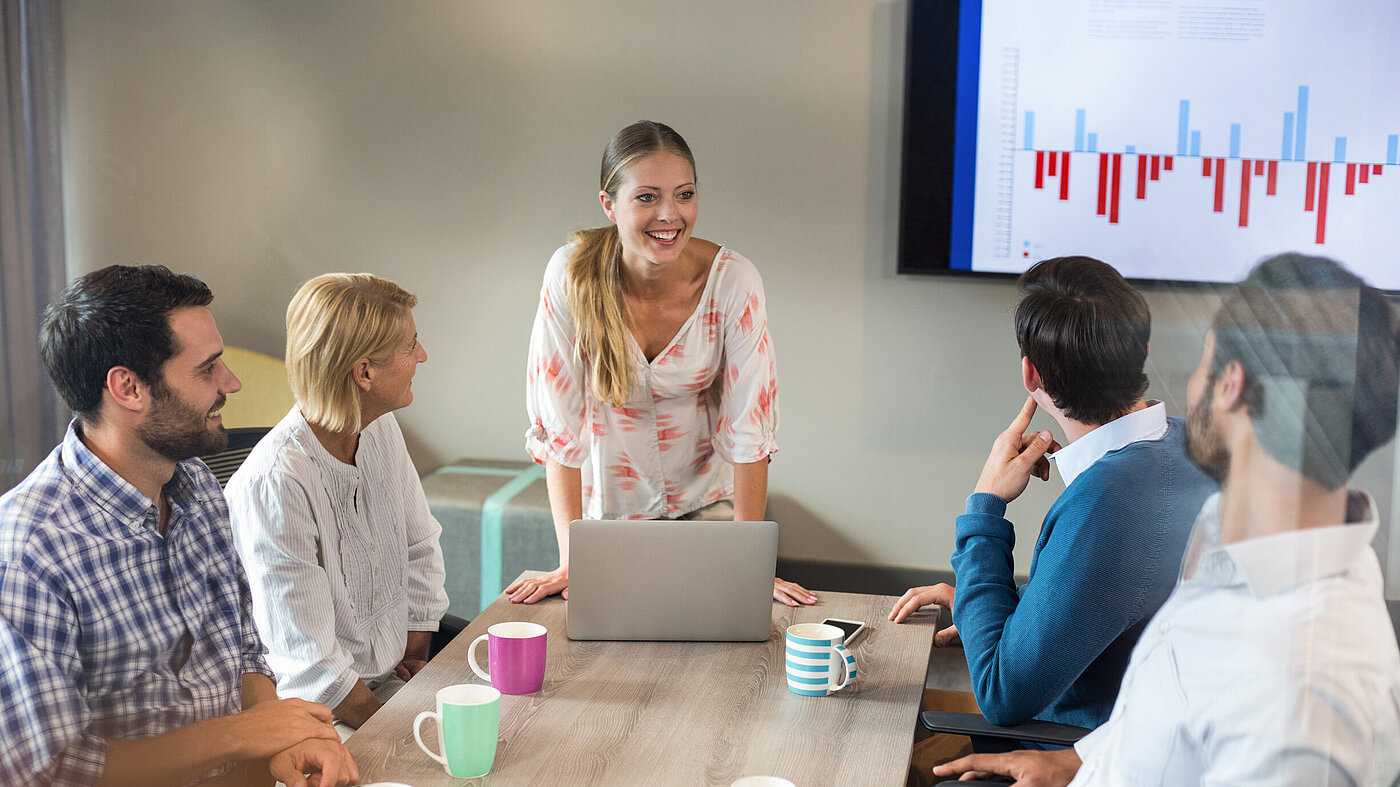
{"x":594,"y":290}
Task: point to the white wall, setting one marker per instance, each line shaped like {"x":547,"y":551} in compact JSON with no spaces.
{"x":451,"y":146}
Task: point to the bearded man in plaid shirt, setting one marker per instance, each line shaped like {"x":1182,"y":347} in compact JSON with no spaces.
{"x":127,"y":647}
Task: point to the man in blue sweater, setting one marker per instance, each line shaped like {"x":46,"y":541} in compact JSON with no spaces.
{"x":1109,"y":549}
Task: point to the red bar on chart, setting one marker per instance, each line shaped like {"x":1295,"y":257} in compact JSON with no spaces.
{"x":1351,"y":179}
{"x":1040,"y":168}
{"x":1142,"y":177}
{"x":1113,"y":200}
{"x":1167,"y":163}
{"x":1375,"y":169}
{"x":1245,"y":176}
{"x":1312,"y":186}
{"x":1205,"y":167}
{"x":1363,"y":174}
{"x":1156,"y":167}
{"x":1220,"y":185}
{"x":1103,"y":184}
{"x":1051,"y":173}
{"x":1322,"y":201}
{"x":1259,"y":167}
{"x":1064,"y":175}
{"x":1272,"y":186}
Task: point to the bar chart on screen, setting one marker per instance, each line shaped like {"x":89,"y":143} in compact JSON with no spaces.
{"x":1185,"y":141}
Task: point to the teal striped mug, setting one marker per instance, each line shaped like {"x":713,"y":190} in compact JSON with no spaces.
{"x":817,"y":663}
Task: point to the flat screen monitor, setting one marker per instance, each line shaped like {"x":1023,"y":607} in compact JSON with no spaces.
{"x":1179,"y":141}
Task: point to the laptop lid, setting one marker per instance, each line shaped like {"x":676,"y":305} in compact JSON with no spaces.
{"x":671,"y":580}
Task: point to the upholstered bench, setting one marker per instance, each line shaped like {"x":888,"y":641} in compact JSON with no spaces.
{"x":495,"y":523}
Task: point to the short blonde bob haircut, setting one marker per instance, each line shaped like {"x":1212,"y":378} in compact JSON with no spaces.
{"x":333,"y":321}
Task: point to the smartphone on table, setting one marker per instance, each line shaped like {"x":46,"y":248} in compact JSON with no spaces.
{"x":851,"y":627}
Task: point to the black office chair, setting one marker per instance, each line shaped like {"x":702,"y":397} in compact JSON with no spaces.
{"x":240,"y":444}
{"x":991,"y":738}
{"x":448,"y":628}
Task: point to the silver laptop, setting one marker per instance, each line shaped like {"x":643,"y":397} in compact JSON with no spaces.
{"x":671,"y":580}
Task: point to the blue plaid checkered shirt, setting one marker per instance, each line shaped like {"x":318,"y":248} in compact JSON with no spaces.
{"x":108,"y":629}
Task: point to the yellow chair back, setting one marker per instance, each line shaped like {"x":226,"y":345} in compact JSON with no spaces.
{"x":266,"y":397}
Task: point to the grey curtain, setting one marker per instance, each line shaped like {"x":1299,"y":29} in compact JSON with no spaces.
{"x":32,"y":418}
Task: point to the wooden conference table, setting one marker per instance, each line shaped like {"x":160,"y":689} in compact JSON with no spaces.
{"x":675,"y":713}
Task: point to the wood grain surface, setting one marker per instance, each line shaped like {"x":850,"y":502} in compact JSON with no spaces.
{"x":675,"y":713}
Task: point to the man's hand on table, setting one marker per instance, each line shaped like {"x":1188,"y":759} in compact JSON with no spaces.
{"x":328,"y":762}
{"x":1028,"y":768}
{"x":915,"y":599}
{"x":273,"y":726}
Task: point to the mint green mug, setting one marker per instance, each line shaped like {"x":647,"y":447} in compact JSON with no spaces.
{"x":468,"y":721}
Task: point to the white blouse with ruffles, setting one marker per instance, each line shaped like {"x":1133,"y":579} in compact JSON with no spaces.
{"x":707,"y":401}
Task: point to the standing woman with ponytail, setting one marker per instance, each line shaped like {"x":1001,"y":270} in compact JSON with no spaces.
{"x":652,"y":388}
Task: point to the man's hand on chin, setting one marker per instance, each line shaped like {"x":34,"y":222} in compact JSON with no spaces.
{"x":1016,"y":456}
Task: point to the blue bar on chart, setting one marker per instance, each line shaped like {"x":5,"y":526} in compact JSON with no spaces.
{"x":1300,"y":139}
{"x":1078,"y":131}
{"x":1130,"y":149}
{"x":1287,"y":137}
{"x":1183,"y":125}
{"x":1030,"y":131}
{"x":1339,"y":154}
{"x":1392,"y":147}
{"x":1234,"y":140}
{"x":1093,"y":143}
{"x":1195,"y":143}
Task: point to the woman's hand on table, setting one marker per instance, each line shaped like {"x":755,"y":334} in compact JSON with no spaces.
{"x":792,"y":594}
{"x":532,"y":589}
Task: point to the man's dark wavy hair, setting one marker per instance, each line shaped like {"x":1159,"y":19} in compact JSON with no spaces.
{"x":1085,"y":329}
{"x":117,"y":316}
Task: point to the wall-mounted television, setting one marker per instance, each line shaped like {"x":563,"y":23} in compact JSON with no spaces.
{"x":1179,"y":140}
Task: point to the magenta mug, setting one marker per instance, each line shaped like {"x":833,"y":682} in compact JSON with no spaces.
{"x":515,"y":655}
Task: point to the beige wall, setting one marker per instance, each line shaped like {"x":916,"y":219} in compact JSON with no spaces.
{"x":452,"y":146}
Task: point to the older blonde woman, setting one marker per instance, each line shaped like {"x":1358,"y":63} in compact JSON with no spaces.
{"x":328,"y":513}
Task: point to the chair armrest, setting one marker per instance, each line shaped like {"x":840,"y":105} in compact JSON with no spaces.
{"x":450,"y":626}
{"x":972,"y":724}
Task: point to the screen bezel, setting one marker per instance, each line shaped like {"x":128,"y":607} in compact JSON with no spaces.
{"x":937,"y":161}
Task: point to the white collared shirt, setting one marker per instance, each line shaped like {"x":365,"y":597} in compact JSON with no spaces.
{"x":1149,"y":423}
{"x":343,"y":560}
{"x":1274,"y":662}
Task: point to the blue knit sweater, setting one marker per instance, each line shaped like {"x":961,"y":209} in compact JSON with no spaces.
{"x":1108,"y":556}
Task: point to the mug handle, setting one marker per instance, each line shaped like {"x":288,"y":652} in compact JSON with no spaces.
{"x":418,"y":735}
{"x":471,"y":658}
{"x":847,"y":670}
